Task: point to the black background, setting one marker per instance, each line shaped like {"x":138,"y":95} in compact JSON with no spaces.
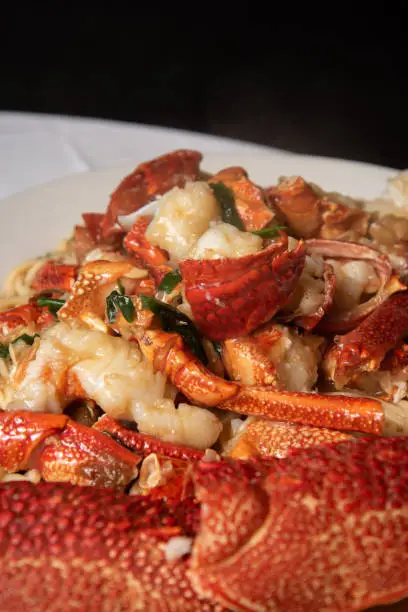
{"x":334,"y":82}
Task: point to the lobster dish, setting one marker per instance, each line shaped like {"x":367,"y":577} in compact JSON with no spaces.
{"x":206,"y":407}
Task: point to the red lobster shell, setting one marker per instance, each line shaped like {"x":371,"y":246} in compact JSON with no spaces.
{"x":232,"y":297}
{"x":324,"y":529}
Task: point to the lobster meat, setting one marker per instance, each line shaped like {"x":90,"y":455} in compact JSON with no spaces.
{"x":337,"y":321}
{"x":323,"y":529}
{"x":147,"y":181}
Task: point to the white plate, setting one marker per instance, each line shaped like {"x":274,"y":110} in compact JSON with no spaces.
{"x":33,"y":222}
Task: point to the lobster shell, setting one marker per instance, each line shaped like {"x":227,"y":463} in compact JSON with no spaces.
{"x":324,"y":529}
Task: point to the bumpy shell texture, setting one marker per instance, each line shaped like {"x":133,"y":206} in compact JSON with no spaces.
{"x":323,"y":529}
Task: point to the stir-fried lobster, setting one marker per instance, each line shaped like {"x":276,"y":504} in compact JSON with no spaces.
{"x":262,"y":494}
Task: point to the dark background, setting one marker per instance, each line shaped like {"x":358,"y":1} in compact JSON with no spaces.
{"x":334,"y":82}
{"x":330,"y":79}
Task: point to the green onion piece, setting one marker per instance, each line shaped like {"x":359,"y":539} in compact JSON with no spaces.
{"x":226,"y":200}
{"x":120,"y":287}
{"x":126,"y":307}
{"x":218,"y":349}
{"x":26,"y":338}
{"x":171,"y":280}
{"x":172,"y":320}
{"x":116,"y":301}
{"x":111,"y":308}
{"x":4,"y":348}
{"x":269,"y":232}
{"x":53,"y":304}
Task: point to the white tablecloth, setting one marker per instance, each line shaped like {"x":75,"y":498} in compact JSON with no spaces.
{"x":35,"y":149}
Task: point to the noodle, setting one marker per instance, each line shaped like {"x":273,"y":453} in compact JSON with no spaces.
{"x":17,"y":289}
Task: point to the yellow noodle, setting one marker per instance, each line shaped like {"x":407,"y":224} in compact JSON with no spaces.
{"x":4,"y":368}
{"x":17,"y":288}
{"x":6,"y":389}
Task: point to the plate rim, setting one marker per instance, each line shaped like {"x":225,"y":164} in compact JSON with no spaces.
{"x":36,"y":219}
{"x":125,"y":166}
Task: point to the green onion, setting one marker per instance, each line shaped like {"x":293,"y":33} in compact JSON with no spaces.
{"x":117,"y":301}
{"x":53,"y":304}
{"x":4,"y":348}
{"x":26,"y":338}
{"x":269,"y":232}
{"x":120,"y":287}
{"x":111,"y":308}
{"x":218,"y":349}
{"x":171,"y":280}
{"x":172,"y":320}
{"x":126,"y":307}
{"x":4,"y":351}
{"x":226,"y":200}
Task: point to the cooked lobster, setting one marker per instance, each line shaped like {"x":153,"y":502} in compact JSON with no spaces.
{"x":261,"y":493}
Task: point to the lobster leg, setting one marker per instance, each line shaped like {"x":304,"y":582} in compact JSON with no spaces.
{"x":167,"y":353}
{"x":143,"y":444}
{"x":333,"y":411}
